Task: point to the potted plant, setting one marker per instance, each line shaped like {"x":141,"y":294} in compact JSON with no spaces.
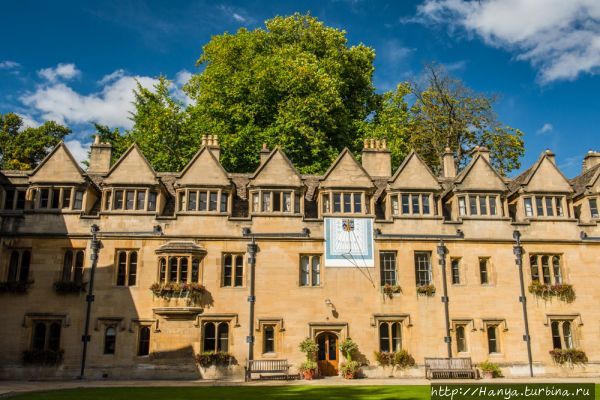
{"x":490,"y":370}
{"x":349,"y":370}
{"x":571,"y":356}
{"x":426,"y":290}
{"x":308,"y":368}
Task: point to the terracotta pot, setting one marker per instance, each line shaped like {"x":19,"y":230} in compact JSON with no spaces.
{"x":349,"y":375}
{"x":487,"y":374}
{"x":309,"y":374}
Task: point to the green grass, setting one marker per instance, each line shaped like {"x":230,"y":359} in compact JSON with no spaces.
{"x":236,"y":392}
{"x":241,"y":393}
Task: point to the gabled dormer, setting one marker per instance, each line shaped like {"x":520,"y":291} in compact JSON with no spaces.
{"x":478,"y":190}
{"x":58,"y":184}
{"x":132,"y":186}
{"x":541,"y":191}
{"x":346,"y":188}
{"x":586,"y":187}
{"x":203,"y":186}
{"x":412,"y":190}
{"x":276,"y":186}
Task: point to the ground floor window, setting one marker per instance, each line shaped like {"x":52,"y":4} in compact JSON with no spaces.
{"x":268,"y":338}
{"x":492,"y":339}
{"x":46,"y":336}
{"x":215,"y":336}
{"x":461,"y":339}
{"x":390,"y":336}
{"x":562,"y":335}
{"x":144,"y":341}
{"x":110,"y":340}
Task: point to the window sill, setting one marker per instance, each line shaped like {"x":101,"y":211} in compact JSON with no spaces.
{"x":310,"y":286}
{"x":275,"y":214}
{"x":203,"y":213}
{"x":269,"y":355}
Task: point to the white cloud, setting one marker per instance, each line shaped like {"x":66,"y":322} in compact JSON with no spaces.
{"x":560,"y":38}
{"x":61,"y":71}
{"x":181,"y":78}
{"x":7,"y":64}
{"x":28,"y":121}
{"x":238,"y":17}
{"x":110,"y":106}
{"x":546,"y":128}
{"x":78,"y":149}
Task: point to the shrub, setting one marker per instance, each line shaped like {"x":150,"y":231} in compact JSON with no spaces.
{"x":65,"y":287}
{"x":401,"y":359}
{"x":44,"y":357}
{"x":348,"y":347}
{"x":426,"y":290}
{"x":309,"y":347}
{"x":562,"y":291}
{"x":208,"y":358}
{"x":488,"y":366}
{"x":571,"y":356}
{"x":390,"y":290}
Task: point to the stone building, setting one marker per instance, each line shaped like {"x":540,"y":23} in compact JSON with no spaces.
{"x":173,"y":276}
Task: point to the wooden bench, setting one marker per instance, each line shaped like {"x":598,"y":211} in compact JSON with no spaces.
{"x":277,"y":369}
{"x":448,"y":368}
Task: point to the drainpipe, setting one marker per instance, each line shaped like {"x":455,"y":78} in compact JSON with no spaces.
{"x":518,"y":251}
{"x":252,"y":248}
{"x":95,"y":247}
{"x":441,"y":250}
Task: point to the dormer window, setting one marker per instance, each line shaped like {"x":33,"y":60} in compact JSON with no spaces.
{"x":14,"y":199}
{"x":203,"y":200}
{"x":411,"y":204}
{"x":343,"y":203}
{"x":57,"y":198}
{"x":478,"y":205}
{"x":594,"y":208}
{"x":544,"y":206}
{"x":275,"y":201}
{"x":129,"y":199}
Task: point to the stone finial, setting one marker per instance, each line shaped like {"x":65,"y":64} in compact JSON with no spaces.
{"x":203,"y":142}
{"x":377,"y":144}
{"x":215,"y":140}
{"x":264,"y":147}
{"x":209,"y":140}
{"x":97,"y":139}
{"x":366,"y":143}
{"x":384,"y":144}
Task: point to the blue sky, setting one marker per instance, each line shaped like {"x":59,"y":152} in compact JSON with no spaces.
{"x":76,"y":61}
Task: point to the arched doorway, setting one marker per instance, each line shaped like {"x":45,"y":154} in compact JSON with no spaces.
{"x":328,"y":354}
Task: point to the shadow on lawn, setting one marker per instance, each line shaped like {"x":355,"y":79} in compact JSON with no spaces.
{"x":238,"y":393}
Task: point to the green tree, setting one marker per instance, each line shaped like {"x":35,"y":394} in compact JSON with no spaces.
{"x":161,"y":128}
{"x":23,"y":148}
{"x":296,"y":84}
{"x":391,"y":121}
{"x":446,"y":113}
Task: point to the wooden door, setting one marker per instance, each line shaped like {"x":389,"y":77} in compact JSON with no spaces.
{"x":327,"y":356}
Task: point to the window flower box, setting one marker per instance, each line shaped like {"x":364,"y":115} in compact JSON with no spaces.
{"x":219,"y":359}
{"x":571,"y":356}
{"x":67,"y":287}
{"x":561,"y":291}
{"x":15,"y":286}
{"x":169,"y":290}
{"x":391,"y":290}
{"x":426,"y":290}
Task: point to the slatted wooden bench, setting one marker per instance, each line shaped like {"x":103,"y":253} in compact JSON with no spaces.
{"x":448,"y":368}
{"x":276,"y":369}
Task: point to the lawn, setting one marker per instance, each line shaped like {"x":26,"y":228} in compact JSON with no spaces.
{"x":242,"y":393}
{"x":237,"y":392}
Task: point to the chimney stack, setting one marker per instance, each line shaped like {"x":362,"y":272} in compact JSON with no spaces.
{"x":448,"y":164}
{"x":100,"y":155}
{"x":212,"y":143}
{"x":550,"y":156}
{"x":377,"y":158}
{"x":591,"y":159}
{"x":264,"y":153}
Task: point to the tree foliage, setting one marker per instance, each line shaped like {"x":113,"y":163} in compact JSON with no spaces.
{"x":296,"y":84}
{"x":449,"y":114}
{"x":23,"y":148}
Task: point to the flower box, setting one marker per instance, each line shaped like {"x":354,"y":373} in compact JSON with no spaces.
{"x":43,"y":357}
{"x":15,"y":286}
{"x":426,"y":290}
{"x":169,"y":290}
{"x":66,"y":287}
{"x":571,"y":356}
{"x":561,"y":291}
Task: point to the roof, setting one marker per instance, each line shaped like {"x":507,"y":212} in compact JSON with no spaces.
{"x":580,"y":183}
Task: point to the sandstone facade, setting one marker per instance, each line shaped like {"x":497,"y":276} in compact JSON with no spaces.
{"x":206,"y":217}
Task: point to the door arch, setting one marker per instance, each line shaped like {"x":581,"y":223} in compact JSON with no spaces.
{"x":328,"y":355}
